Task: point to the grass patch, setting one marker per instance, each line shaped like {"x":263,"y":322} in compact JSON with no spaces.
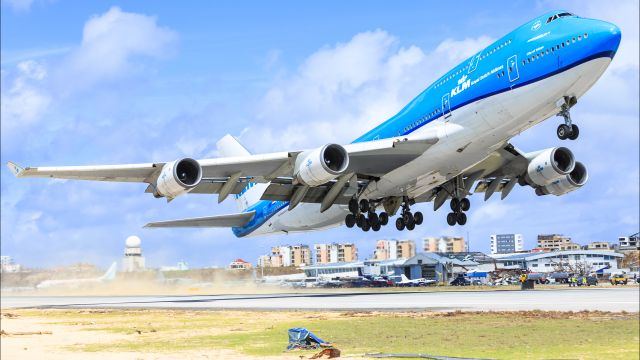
{"x":522,"y":335}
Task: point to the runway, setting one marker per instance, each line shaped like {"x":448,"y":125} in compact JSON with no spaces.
{"x":624,"y":299}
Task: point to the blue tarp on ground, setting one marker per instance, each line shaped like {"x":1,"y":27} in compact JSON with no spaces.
{"x":301,"y":338}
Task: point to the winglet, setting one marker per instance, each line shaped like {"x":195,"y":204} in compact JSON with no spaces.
{"x":16,"y":169}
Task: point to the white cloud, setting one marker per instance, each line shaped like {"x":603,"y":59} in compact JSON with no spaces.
{"x":19,"y":5}
{"x":23,"y":101}
{"x":341,"y":90}
{"x":110,"y":43}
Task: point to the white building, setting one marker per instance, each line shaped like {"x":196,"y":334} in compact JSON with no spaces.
{"x":7,"y":264}
{"x":506,"y":243}
{"x":629,"y":242}
{"x":133,"y":259}
{"x":587,"y":261}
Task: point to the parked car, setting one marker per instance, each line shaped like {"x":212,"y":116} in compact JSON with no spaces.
{"x":618,"y":279}
{"x":460,"y":281}
{"x":591,"y":280}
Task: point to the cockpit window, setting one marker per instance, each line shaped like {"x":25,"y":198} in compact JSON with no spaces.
{"x":557,"y":16}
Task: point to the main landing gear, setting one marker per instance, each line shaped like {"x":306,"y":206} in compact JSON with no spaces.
{"x":458,"y":207}
{"x":407,"y":219}
{"x":363,"y":214}
{"x":568,"y":130}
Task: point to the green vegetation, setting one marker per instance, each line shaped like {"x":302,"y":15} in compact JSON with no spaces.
{"x":505,"y":335}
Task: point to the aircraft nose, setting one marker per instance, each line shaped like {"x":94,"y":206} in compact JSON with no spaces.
{"x":611,"y":35}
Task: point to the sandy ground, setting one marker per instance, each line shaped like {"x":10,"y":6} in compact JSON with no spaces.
{"x":55,"y":346}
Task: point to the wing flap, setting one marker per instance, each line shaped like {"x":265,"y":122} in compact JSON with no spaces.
{"x":231,"y":220}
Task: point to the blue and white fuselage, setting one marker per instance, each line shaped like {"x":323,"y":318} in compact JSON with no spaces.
{"x":513,"y":84}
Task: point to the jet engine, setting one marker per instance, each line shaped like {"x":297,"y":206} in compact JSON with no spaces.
{"x":178,"y":177}
{"x":576,"y":178}
{"x":316,"y":167}
{"x":548,"y":166}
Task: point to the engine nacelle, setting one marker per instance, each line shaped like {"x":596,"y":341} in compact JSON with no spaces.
{"x":548,"y":166}
{"x":178,"y":177}
{"x":316,"y":167}
{"x":566,"y":184}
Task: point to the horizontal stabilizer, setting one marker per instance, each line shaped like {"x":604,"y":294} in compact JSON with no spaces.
{"x":231,"y":220}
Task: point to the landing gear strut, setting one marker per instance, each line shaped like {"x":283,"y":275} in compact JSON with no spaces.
{"x":568,"y":130}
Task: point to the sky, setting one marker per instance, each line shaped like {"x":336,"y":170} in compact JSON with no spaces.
{"x":103,"y":82}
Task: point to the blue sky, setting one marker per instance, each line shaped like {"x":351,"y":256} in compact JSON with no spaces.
{"x":118,"y":82}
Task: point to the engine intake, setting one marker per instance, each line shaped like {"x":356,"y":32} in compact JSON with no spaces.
{"x":316,"y":167}
{"x":548,"y":166}
{"x":178,"y":177}
{"x":566,"y":184}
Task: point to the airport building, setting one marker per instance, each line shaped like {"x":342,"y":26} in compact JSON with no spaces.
{"x":576,"y":261}
{"x":394,"y":249}
{"x":444,"y":244}
{"x":133,"y":259}
{"x":431,"y":266}
{"x":506,"y":243}
{"x":332,"y":253}
{"x":556,"y":242}
{"x":630,"y":242}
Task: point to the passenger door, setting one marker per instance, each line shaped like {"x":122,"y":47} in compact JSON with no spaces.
{"x":512,"y":69}
{"x":446,"y":106}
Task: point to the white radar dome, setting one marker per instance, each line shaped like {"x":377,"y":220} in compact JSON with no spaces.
{"x":133,"y":241}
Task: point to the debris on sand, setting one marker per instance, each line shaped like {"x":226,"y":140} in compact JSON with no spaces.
{"x":4,"y":333}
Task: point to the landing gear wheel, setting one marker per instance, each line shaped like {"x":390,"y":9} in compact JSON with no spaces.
{"x":353,"y":206}
{"x":384,"y":218}
{"x":366,"y":226}
{"x":451,"y":219}
{"x":364,"y":205}
{"x":350,"y":220}
{"x":375,"y":226}
{"x":461,"y":218}
{"x":455,"y":204}
{"x":399,"y":224}
{"x":360,"y":219}
{"x":465,"y":204}
{"x":411,"y":225}
{"x":407,"y":217}
{"x":563,"y":131}
{"x":575,"y":131}
{"x":418,"y":218}
{"x":373,"y":218}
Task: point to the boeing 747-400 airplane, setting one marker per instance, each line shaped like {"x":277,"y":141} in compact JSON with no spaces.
{"x":453,"y":135}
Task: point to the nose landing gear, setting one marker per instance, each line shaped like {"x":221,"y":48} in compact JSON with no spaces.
{"x":568,"y":130}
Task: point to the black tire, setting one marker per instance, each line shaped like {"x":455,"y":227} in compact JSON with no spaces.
{"x":384,"y":218}
{"x":399,"y":224}
{"x":366,"y":226}
{"x":575,"y":131}
{"x":360,"y":219}
{"x":375,"y":226}
{"x":465,"y":204}
{"x":353,"y":206}
{"x":563,"y":131}
{"x":350,"y":220}
{"x":373,"y":218}
{"x":407,"y":217}
{"x":364,"y":205}
{"x":411,"y":225}
{"x":461,"y":218}
{"x":418,"y":218}
{"x":455,"y":203}
{"x":451,"y":219}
